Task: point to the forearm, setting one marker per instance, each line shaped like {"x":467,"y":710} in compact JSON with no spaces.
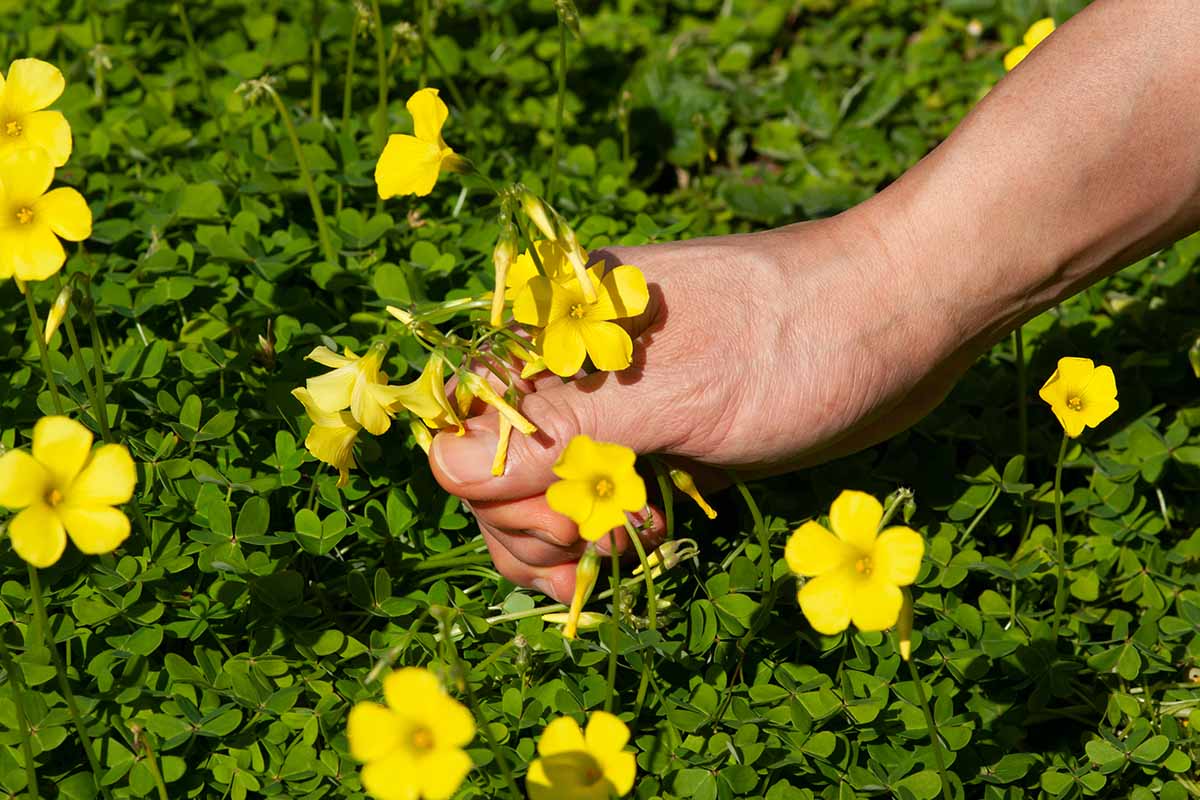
{"x":1084,"y":159}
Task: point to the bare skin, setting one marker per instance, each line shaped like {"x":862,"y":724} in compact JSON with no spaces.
{"x":835,"y":335}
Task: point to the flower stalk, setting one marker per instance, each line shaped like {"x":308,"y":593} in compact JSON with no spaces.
{"x":934,"y":737}
{"x":18,"y":696}
{"x":615,"y":640}
{"x":42,"y":349}
{"x":309,"y":186}
{"x":1060,"y":557}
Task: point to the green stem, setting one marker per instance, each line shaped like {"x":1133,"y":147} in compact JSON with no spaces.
{"x":1022,"y":406}
{"x":36,"y":324}
{"x":39,"y":613}
{"x":902,"y":494}
{"x":306,"y":176}
{"x":667,"y":490}
{"x":426,"y":47}
{"x":381,"y":121}
{"x":1060,"y":592}
{"x":615,"y":640}
{"x":477,"y":712}
{"x":651,"y":592}
{"x":348,"y":83}
{"x":152,"y":765}
{"x":18,"y":695}
{"x":934,"y":736}
{"x":760,"y":528}
{"x":97,"y":62}
{"x":393,"y":653}
{"x":558,"y":115}
{"x":100,"y":412}
{"x":202,"y":78}
{"x":315,"y":102}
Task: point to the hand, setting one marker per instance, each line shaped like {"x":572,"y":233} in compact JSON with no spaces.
{"x":758,"y":353}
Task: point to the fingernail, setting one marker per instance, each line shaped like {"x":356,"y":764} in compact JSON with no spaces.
{"x":465,"y":459}
{"x":545,"y":587}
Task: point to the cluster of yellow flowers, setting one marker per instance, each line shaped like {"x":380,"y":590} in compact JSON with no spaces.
{"x":412,"y":747}
{"x":566,"y":310}
{"x":63,"y":489}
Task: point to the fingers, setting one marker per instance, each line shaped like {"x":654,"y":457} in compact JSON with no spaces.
{"x":557,"y":581}
{"x":605,"y":406}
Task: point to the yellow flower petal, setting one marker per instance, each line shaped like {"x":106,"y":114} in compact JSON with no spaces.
{"x":442,"y":772}
{"x":367,"y":408}
{"x":573,"y":499}
{"x":48,"y":130}
{"x":393,"y":777}
{"x":605,"y":516}
{"x":542,"y":301}
{"x":26,"y":174}
{"x":897,"y":556}
{"x":1038,"y":31}
{"x":333,"y":391}
{"x":568,"y":776}
{"x":37,"y":535}
{"x":373,"y":731}
{"x":826,"y":600}
{"x":1014,"y":57}
{"x":605,"y":733}
{"x":429,"y":114}
{"x":622,"y":293}
{"x":813,"y":550}
{"x":608,"y":345}
{"x":407,"y":166}
{"x":1100,"y":397}
{"x":451,"y":722}
{"x":563,"y":346}
{"x":854,"y":517}
{"x":629,"y":490}
{"x":408,"y":685}
{"x":582,"y":456}
{"x":620,"y":770}
{"x":23,"y":481}
{"x":875,"y":604}
{"x":562,"y":735}
{"x":94,"y":529}
{"x":31,"y":85}
{"x":327,"y":358}
{"x":62,"y":445}
{"x":107,"y":480}
{"x":36,"y":252}
{"x":66,"y":213}
{"x":334,"y":444}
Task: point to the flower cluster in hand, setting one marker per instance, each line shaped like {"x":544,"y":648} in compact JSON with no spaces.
{"x":33,"y":142}
{"x":549,"y":312}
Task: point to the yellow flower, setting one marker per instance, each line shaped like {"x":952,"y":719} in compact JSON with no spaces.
{"x":855,"y":575}
{"x":426,"y":397}
{"x":355,"y":383}
{"x":66,"y":489}
{"x":573,"y":328}
{"x":331,"y":437}
{"x":413,"y":746}
{"x":599,"y":484}
{"x":1080,"y":394}
{"x":411,"y":164}
{"x":32,"y":219}
{"x":523,"y":269}
{"x":1033,"y":37}
{"x":31,"y":86}
{"x":586,"y":572}
{"x":582,"y":765}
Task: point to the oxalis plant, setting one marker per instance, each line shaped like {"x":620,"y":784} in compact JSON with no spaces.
{"x":152,"y":645}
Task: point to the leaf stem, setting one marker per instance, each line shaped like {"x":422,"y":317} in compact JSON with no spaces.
{"x":306,"y":176}
{"x":99,"y":411}
{"x":18,"y":695}
{"x":39,"y":613}
{"x":934,"y":736}
{"x":615,"y":640}
{"x":36,"y":325}
{"x":143,"y":740}
{"x":766,"y":567}
{"x":1060,"y":593}
{"x":558,"y":114}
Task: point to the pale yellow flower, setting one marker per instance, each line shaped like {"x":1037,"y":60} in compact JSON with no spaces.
{"x":355,"y":383}
{"x":331,"y":437}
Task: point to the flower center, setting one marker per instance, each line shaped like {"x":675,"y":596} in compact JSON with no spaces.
{"x":53,"y":497}
{"x":24,"y":215}
{"x":592,"y":775}
{"x":604,"y":488}
{"x":421,"y":739}
{"x":1075,"y":403}
{"x":863,"y":565}
{"x":577,"y":311}
{"x":12,"y":128}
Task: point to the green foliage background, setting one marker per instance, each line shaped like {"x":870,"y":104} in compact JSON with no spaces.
{"x":239,"y":633}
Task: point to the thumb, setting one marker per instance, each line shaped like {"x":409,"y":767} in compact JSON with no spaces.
{"x":607,"y":406}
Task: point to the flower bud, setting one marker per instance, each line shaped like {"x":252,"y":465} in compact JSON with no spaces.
{"x":421,"y":434}
{"x":577,"y":257}
{"x":684,"y":483}
{"x":904,"y":625}
{"x":668,"y":555}
{"x":57,"y":312}
{"x":501,"y":458}
{"x":484,"y":391}
{"x":463,"y":398}
{"x":538,"y":214}
{"x":1194,"y":357}
{"x":588,"y":620}
{"x":402,"y":315}
{"x":586,"y":572}
{"x":502,"y":258}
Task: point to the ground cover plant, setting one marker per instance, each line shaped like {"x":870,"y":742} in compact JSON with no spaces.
{"x":250,"y":585}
